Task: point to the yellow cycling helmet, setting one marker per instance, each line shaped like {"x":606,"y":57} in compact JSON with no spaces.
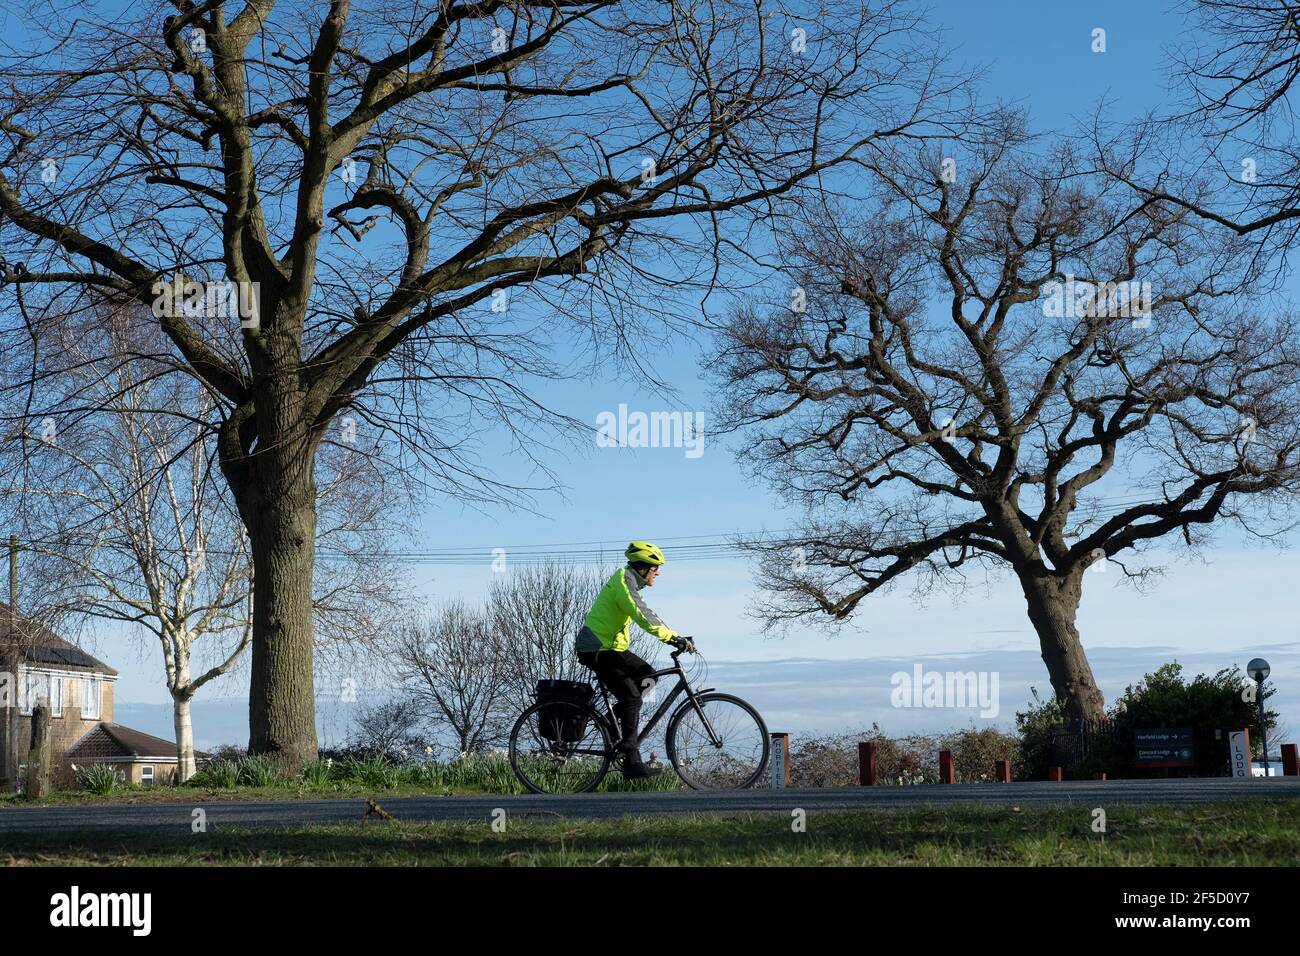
{"x":643,"y":552}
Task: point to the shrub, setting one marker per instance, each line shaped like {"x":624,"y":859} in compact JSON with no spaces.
{"x":832,"y":761}
{"x":98,"y":778}
{"x":219,"y":773}
{"x":615,"y":782}
{"x":376,"y":772}
{"x":823,"y":762}
{"x":1163,"y":698}
{"x":424,"y":774}
{"x":975,"y":752}
{"x":257,"y":771}
{"x":358,"y":753}
{"x":1209,"y":705}
{"x":490,"y":771}
{"x":318,"y":774}
{"x":1037,"y":725}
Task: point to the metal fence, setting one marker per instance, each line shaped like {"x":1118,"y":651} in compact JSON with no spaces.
{"x":1077,"y":745}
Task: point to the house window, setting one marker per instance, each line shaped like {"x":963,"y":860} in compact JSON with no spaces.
{"x":36,"y":688}
{"x":56,"y":695}
{"x":90,"y":698}
{"x":146,"y":774}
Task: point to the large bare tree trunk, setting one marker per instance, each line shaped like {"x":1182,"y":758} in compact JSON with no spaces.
{"x":1053,"y":608}
{"x":277,"y":500}
{"x":282,"y":700}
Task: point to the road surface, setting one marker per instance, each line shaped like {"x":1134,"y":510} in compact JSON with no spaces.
{"x":284,"y":813}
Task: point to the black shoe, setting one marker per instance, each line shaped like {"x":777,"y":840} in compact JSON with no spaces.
{"x":632,"y":766}
{"x":639,"y":771}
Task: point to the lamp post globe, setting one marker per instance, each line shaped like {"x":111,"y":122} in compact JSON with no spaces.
{"x":1258,"y":670}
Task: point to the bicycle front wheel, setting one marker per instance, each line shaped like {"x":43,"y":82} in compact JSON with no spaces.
{"x":718,"y":743}
{"x":560,"y":747}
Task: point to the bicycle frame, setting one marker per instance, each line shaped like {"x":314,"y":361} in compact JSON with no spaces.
{"x":673,"y":706}
{"x":682,"y":685}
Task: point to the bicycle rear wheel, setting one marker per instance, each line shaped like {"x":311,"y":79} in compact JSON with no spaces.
{"x":560,"y":747}
{"x":733,"y":756}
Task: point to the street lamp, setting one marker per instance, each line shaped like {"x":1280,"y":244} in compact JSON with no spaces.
{"x":1258,"y":669}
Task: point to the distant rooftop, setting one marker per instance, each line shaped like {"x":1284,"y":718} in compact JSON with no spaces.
{"x":108,"y":741}
{"x":39,"y":645}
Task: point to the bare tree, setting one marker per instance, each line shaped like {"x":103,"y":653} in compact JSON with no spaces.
{"x":997,"y":345}
{"x":535,"y":611}
{"x":123,"y":502}
{"x":391,"y":728}
{"x":401,"y":197}
{"x":1229,"y":151}
{"x":447,"y":664}
{"x":130,"y":513}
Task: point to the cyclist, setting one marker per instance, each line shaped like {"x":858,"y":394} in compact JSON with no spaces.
{"x":603,"y":643}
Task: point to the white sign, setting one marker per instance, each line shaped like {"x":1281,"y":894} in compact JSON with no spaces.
{"x":1239,"y":748}
{"x":778,"y":761}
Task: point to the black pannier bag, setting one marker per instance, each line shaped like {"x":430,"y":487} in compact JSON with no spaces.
{"x":563,"y":714}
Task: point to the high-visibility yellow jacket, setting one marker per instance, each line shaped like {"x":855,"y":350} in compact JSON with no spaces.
{"x":618,"y":604}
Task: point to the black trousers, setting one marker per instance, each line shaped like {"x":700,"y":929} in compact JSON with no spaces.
{"x":625,"y":675}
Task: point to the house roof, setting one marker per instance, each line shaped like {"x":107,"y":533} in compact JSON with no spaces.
{"x":39,"y":645}
{"x":107,"y":740}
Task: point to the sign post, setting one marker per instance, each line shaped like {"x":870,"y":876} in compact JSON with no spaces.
{"x":1163,"y":747}
{"x":780,"y":761}
{"x":1239,"y":750}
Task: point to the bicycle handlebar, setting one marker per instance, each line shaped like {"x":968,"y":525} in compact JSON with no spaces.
{"x":677,"y":651}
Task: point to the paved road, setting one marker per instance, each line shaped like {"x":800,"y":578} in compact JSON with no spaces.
{"x":177,"y":816}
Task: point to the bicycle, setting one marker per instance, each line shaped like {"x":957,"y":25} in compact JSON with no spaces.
{"x":715,"y":741}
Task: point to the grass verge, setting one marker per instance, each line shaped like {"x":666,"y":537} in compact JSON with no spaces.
{"x":1248,"y":833}
{"x":255,"y":778}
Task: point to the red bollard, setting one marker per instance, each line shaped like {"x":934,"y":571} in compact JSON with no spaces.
{"x":1002,"y":771}
{"x":1290,"y":761}
{"x":867,"y":763}
{"x":1054,"y":773}
{"x":946,"y":772}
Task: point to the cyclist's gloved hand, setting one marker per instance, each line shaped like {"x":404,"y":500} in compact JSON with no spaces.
{"x":683,"y":643}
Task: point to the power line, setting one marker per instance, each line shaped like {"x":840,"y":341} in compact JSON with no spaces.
{"x":696,"y":547}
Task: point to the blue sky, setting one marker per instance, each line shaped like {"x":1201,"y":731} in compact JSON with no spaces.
{"x":1236,"y":602}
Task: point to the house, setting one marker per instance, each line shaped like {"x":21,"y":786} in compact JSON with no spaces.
{"x":138,"y":756}
{"x":79,"y":689}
